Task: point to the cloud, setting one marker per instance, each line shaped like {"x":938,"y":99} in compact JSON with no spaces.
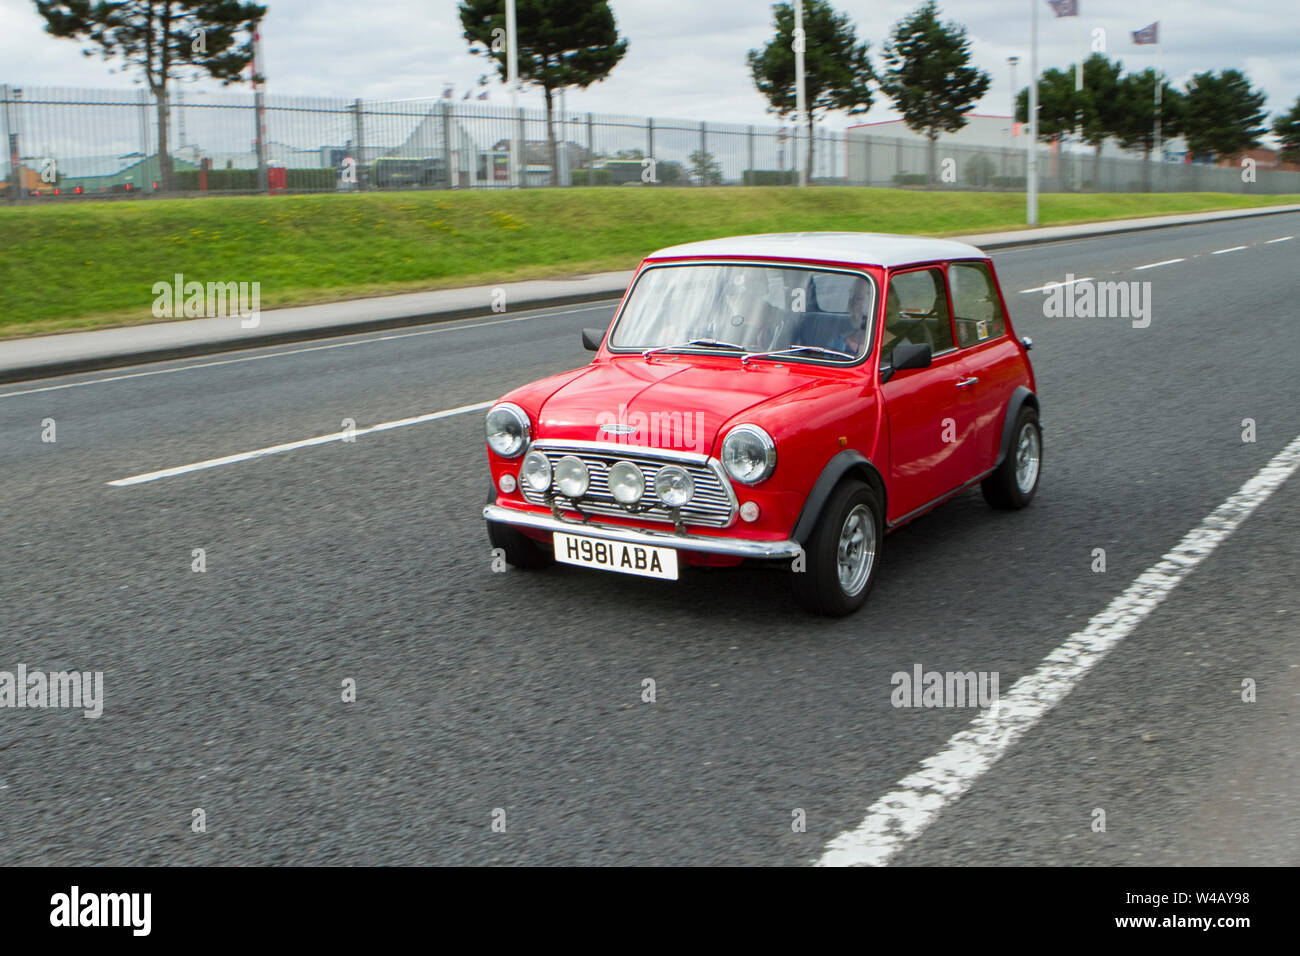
{"x":686,"y":58}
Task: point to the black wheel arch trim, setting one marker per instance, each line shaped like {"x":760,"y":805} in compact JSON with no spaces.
{"x":1019,"y":398}
{"x":844,"y":463}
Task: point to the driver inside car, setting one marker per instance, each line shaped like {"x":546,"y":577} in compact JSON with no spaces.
{"x":851,"y":340}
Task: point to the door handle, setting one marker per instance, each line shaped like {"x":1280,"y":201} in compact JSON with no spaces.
{"x":967,"y":381}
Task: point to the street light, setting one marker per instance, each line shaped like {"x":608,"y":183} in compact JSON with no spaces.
{"x":1031,"y":167}
{"x":1011,"y":130}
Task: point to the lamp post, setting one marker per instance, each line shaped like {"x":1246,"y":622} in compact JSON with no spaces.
{"x":1031,"y":165}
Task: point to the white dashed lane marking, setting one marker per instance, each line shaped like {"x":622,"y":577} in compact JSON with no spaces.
{"x":1219,"y":252}
{"x":293,"y":446}
{"x":1055,"y":285}
{"x":901,"y":815}
{"x":1156,"y":265}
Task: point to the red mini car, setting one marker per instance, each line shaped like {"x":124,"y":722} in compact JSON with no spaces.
{"x":779,"y":398}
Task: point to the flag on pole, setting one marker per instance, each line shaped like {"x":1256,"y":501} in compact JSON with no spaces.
{"x":1147,"y":34}
{"x":1064,"y":8}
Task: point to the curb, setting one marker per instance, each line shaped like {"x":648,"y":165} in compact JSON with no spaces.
{"x":1004,"y":240}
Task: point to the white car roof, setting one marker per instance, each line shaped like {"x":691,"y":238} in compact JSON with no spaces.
{"x":864,"y":248}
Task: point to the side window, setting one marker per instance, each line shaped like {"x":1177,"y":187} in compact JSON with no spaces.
{"x":916,"y":310}
{"x":975,"y":302}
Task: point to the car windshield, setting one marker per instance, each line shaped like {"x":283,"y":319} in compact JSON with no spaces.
{"x":758,"y":308}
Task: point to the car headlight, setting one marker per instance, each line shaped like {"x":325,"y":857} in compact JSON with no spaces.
{"x":507,"y":429}
{"x":571,"y":477}
{"x":674,"y":486}
{"x":748,"y":454}
{"x":535,"y":471}
{"x":626,"y":482}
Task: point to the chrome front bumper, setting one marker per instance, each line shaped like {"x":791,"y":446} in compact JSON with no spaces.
{"x":738,"y":547}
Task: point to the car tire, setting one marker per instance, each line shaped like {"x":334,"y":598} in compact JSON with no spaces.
{"x":852,"y":520}
{"x":520,"y":550}
{"x":1014,"y":482}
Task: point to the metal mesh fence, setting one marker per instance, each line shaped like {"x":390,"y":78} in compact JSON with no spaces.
{"x":74,"y":142}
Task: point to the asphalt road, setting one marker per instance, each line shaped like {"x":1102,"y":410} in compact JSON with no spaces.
{"x":367,"y":560}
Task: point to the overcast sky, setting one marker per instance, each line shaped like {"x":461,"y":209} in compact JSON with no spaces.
{"x":686,"y":58}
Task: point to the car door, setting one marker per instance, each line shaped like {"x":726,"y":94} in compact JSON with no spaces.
{"x":931,"y":416}
{"x":993,"y":361}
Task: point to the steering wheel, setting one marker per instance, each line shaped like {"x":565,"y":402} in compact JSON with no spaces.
{"x":902,"y":331}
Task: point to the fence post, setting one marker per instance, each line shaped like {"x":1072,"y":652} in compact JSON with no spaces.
{"x":704,"y":152}
{"x":650,"y":137}
{"x":749,"y":149}
{"x":358,"y":144}
{"x":144,"y":138}
{"x":522,"y":158}
{"x":591,"y":151}
{"x":11,"y":137}
{"x":446,"y":146}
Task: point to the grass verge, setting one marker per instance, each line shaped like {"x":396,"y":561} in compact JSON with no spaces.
{"x":90,"y":264}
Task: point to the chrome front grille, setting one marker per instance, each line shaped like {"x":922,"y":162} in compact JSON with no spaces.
{"x":712,"y":506}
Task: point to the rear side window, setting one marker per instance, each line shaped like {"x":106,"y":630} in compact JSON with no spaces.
{"x":975,"y":305}
{"x":916,"y":311}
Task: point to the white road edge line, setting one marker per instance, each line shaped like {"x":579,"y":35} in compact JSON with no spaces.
{"x":1219,"y":252}
{"x":293,"y":446}
{"x":902,"y":814}
{"x":460,"y":325}
{"x":1156,"y":265}
{"x":1271,"y":241}
{"x":1055,"y":285}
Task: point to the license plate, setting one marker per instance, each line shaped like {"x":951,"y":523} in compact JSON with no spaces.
{"x":642,"y":559}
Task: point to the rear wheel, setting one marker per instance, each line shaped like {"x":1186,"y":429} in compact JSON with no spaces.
{"x":1014,"y":482}
{"x":520,"y":550}
{"x":843,"y":553}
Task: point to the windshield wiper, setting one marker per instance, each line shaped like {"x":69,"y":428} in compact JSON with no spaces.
{"x":706,"y":343}
{"x":797,"y":348}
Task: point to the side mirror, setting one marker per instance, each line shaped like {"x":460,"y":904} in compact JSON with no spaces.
{"x":906,"y":355}
{"x":591,"y":339}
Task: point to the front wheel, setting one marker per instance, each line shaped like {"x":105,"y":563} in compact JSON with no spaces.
{"x":1013,"y":483}
{"x":842,"y":554}
{"x":520,"y":551}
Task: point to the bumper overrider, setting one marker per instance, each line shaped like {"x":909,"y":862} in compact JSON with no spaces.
{"x":735,"y":547}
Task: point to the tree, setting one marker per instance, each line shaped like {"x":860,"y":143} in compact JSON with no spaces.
{"x":1135,"y":99}
{"x":1224,"y":115}
{"x":1094,"y":111}
{"x":705,"y":168}
{"x":1286,"y":128}
{"x":837,"y":69}
{"x":161,"y":38}
{"x":561,"y":43}
{"x":928,"y":77}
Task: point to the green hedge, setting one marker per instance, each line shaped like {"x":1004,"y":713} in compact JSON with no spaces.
{"x":768,"y":177}
{"x":584,"y":177}
{"x":245,"y":180}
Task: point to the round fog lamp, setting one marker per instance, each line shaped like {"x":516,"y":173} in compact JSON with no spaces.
{"x":626,"y":483}
{"x":674,"y":486}
{"x":536,"y":471}
{"x":507,"y":483}
{"x":749,"y":511}
{"x":571,"y":477}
